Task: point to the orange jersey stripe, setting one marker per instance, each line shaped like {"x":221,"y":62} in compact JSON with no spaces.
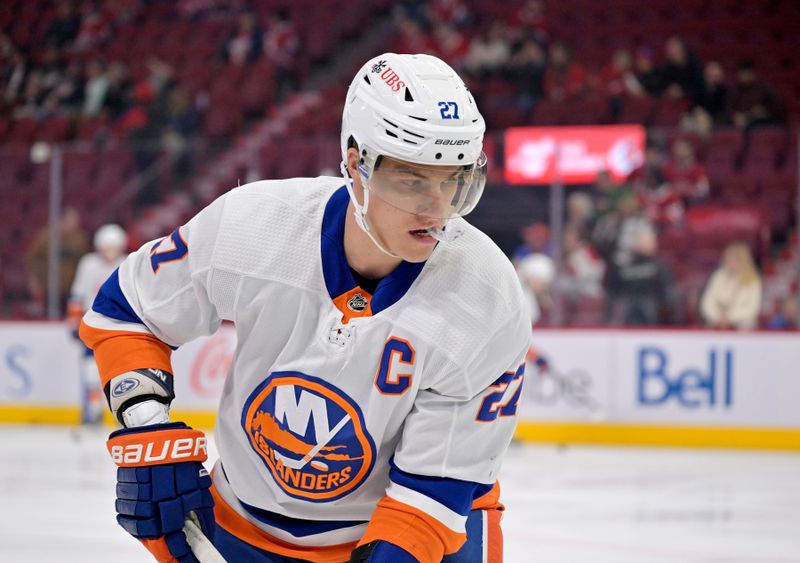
{"x":234,"y":524}
{"x":494,"y":536}
{"x":490,"y":500}
{"x":118,"y":351}
{"x":417,"y":532}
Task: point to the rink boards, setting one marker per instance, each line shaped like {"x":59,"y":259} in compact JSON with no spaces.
{"x":658,"y":387}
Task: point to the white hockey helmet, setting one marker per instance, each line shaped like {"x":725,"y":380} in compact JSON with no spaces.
{"x":414,"y":109}
{"x":110,"y":237}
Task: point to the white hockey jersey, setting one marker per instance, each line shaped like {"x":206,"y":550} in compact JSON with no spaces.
{"x":336,"y":398}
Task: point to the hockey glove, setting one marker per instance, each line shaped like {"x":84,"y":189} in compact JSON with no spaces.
{"x":160,"y":483}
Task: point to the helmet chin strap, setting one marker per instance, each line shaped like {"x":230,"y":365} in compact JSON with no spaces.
{"x":360,"y":212}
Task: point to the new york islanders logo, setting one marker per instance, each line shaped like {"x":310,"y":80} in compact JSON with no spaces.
{"x":309,"y":435}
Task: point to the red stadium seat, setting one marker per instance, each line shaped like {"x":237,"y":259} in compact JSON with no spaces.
{"x":591,"y":110}
{"x":23,"y":131}
{"x":550,"y":112}
{"x":636,"y":110}
{"x":668,"y":112}
{"x":55,"y":129}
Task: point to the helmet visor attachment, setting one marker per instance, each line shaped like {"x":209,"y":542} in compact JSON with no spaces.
{"x":439,"y":192}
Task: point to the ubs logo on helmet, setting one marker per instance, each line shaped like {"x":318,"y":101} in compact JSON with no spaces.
{"x":389,"y":76}
{"x":310,"y":436}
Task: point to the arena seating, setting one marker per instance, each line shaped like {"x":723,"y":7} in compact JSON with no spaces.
{"x":753,"y":177}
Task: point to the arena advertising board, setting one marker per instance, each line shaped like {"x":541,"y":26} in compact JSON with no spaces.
{"x":201,"y":367}
{"x":577,"y":383}
{"x":572,"y":155}
{"x":39,"y":363}
{"x":664,"y":377}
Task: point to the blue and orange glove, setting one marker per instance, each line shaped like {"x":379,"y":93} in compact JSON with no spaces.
{"x":160,"y":481}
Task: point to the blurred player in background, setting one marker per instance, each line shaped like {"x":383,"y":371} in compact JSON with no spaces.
{"x":110,"y":245}
{"x":380,"y":356}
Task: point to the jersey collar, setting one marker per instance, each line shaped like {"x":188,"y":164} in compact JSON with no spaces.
{"x":342,"y":288}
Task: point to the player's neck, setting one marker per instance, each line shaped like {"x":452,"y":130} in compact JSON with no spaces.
{"x":362,"y":254}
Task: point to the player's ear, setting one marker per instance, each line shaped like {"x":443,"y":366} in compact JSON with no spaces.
{"x":352,"y":161}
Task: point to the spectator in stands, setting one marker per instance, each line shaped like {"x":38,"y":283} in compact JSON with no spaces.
{"x":732,"y":298}
{"x":148,"y":120}
{"x":96,"y":88}
{"x":606,"y":193}
{"x":641,"y":290}
{"x":526,"y":69}
{"x":281,"y":44}
{"x":583,"y":269}
{"x":620,"y":82}
{"x":786,"y":317}
{"x":409,"y":36}
{"x":536,"y":273}
{"x":752,"y":102}
{"x":580,"y":213}
{"x":651,"y":172}
{"x":281,"y":40}
{"x":531,"y":21}
{"x":68,"y":95}
{"x":687,"y":177}
{"x":710,"y":109}
{"x":663,"y":205}
{"x":616,"y":232}
{"x":450,"y":45}
{"x":14,"y":76}
{"x":245,"y":43}
{"x":416,"y":10}
{"x":660,"y":200}
{"x":647,"y":73}
{"x":30,"y":102}
{"x":65,"y":27}
{"x":682,"y":71}
{"x":94,"y":29}
{"x":120,"y":90}
{"x":180,"y":126}
{"x":619,"y":78}
{"x":489,"y":52}
{"x":535,"y":240}
{"x":51,"y":66}
{"x":564,"y":78}
{"x":454,"y":13}
{"x":73,"y":243}
{"x":7,"y":47}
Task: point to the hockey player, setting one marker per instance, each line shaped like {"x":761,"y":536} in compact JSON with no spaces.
{"x":381,"y":340}
{"x":110,"y":244}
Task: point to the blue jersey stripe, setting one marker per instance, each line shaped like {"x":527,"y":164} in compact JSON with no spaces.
{"x":455,"y":494}
{"x":336,"y":271}
{"x":297,"y":527}
{"x":110,"y":302}
{"x":338,"y":278}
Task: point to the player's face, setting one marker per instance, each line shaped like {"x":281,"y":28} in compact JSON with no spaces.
{"x":403,"y":233}
{"x":405,"y":201}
